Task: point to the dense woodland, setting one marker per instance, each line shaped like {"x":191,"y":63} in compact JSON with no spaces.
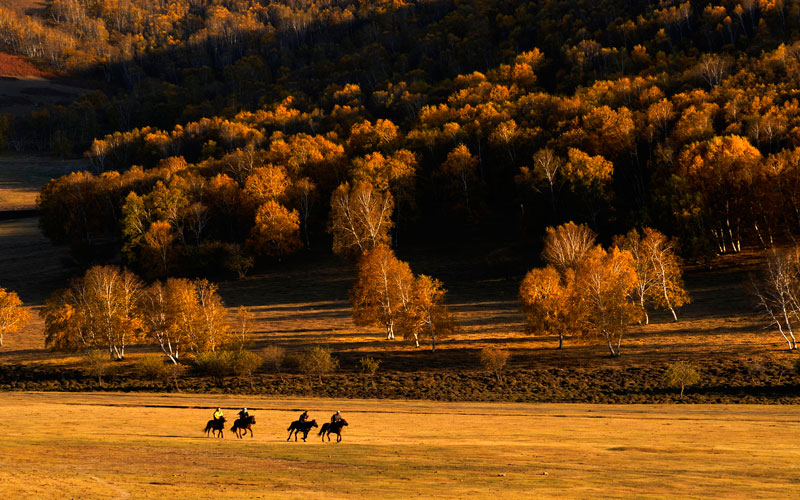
{"x":222,"y":128}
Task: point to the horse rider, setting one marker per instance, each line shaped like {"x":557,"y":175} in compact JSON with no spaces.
{"x":218,"y":414}
{"x":303,"y":417}
{"x":336,"y":417}
{"x":243,"y":414}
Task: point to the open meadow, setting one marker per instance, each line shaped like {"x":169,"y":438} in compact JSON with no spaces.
{"x":151,"y":446}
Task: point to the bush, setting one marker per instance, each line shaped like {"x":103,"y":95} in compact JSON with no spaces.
{"x":494,"y":360}
{"x":318,"y":361}
{"x":245,"y":363}
{"x":151,"y":366}
{"x":155,"y":367}
{"x":680,"y":374}
{"x":369,"y":365}
{"x":96,"y":364}
{"x":216,"y":364}
{"x":274,"y":357}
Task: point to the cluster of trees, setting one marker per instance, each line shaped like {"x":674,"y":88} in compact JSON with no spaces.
{"x":588,"y":291}
{"x":386,"y":293}
{"x":110,"y":308}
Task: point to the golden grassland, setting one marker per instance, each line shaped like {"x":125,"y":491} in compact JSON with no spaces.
{"x":22,"y":176}
{"x":152,"y":446}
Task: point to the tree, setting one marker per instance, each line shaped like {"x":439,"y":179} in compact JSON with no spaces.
{"x":779,"y":291}
{"x":680,"y":374}
{"x":97,"y":311}
{"x":276,"y":231}
{"x":13,"y":316}
{"x":360,"y":218}
{"x":424,"y":315}
{"x":461,"y":169}
{"x":658,"y":272}
{"x":382,"y":291}
{"x":667,"y":270}
{"x":566,"y":245}
{"x":607,"y":279}
{"x":549,"y":302}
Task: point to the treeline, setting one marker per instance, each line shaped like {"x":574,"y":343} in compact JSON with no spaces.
{"x":677,"y":115}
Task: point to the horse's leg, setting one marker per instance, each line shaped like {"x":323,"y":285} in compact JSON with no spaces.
{"x":338,"y":438}
{"x":251,"y":430}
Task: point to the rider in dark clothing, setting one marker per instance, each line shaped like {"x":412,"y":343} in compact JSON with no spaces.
{"x":303,"y":417}
{"x":243,"y":414}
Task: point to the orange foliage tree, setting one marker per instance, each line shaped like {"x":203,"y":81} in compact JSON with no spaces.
{"x":13,"y":315}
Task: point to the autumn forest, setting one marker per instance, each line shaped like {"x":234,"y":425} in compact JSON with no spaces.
{"x":618,"y":143}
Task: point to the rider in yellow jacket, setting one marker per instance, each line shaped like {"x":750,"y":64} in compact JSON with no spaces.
{"x":218,"y":414}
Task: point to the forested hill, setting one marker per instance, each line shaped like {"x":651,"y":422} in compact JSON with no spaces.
{"x":243,"y":117}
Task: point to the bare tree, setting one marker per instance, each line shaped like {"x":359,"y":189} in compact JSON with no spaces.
{"x":566,"y":245}
{"x":777,"y":293}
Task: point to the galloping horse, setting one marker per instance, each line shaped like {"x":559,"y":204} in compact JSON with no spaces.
{"x":335,"y":428}
{"x":298,"y":426}
{"x":215,"y":426}
{"x":242,"y":425}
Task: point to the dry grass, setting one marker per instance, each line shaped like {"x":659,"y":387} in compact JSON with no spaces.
{"x":23,"y":176}
{"x":128,"y":446}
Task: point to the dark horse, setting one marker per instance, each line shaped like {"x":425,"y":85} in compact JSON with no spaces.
{"x":215,"y":426}
{"x":298,"y":426}
{"x":242,"y":425}
{"x":335,"y":428}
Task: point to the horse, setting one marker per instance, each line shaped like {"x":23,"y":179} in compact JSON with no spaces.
{"x":215,"y":426}
{"x":298,"y":426}
{"x":242,"y":425}
{"x":332,"y":427}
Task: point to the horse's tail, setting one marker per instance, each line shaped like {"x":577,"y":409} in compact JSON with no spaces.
{"x":208,"y":427}
{"x":323,"y":428}
{"x":291,"y":426}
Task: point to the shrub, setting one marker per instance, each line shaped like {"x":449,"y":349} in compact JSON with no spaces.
{"x":318,"y":361}
{"x":274,"y":357}
{"x":245,"y":363}
{"x":369,"y":365}
{"x":151,"y":366}
{"x":494,"y":360}
{"x":96,"y":363}
{"x":680,"y":374}
{"x":216,"y":364}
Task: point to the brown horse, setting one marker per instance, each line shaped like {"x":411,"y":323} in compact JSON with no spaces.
{"x":332,"y":428}
{"x":298,"y":426}
{"x":242,"y":425}
{"x":215,"y":426}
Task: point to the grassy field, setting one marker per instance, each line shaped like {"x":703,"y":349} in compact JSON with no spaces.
{"x":22,"y":176}
{"x":130,"y":446}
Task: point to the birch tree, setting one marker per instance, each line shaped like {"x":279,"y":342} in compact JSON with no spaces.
{"x":97,"y":311}
{"x":360,"y":219}
{"x":659,"y":280}
{"x":607,"y":280}
{"x":13,"y":315}
{"x":566,"y":245}
{"x":426,"y":315}
{"x":382,"y":290}
{"x":777,"y":293}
